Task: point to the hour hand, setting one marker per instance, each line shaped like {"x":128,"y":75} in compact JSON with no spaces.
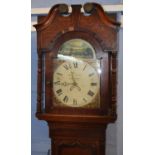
{"x":66,"y":83}
{"x":75,"y":86}
{"x":63,"y":83}
{"x":72,"y":77}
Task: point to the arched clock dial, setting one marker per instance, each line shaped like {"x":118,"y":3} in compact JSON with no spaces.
{"x":76,"y":83}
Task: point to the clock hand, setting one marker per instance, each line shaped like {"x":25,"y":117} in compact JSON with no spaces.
{"x":75,"y":85}
{"x":72,"y":76}
{"x":63,"y":83}
{"x":71,"y":88}
{"x":79,"y":89}
{"x":66,"y":83}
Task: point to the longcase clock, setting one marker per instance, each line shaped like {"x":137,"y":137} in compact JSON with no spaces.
{"x":77,"y":69}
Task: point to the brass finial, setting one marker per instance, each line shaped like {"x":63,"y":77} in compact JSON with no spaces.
{"x":88,"y":7}
{"x":63,"y":8}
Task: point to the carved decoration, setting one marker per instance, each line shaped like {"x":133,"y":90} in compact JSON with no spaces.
{"x":39,"y":94}
{"x":73,"y":144}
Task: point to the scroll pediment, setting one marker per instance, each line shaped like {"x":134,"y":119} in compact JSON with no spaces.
{"x":77,"y":12}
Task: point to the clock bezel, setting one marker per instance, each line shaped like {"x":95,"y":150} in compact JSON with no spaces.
{"x":104,"y":79}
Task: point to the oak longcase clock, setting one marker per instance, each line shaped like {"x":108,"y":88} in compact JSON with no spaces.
{"x":77,"y":69}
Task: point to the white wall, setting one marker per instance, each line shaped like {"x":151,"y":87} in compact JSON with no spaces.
{"x":47,"y":3}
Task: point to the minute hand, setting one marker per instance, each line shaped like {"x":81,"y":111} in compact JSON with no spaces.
{"x":73,"y":77}
{"x":75,"y":85}
{"x":66,"y":84}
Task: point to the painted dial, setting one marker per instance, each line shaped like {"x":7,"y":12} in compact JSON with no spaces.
{"x":75,"y":83}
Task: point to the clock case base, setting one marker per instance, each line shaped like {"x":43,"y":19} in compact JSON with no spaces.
{"x":77,"y":135}
{"x":77,"y":139}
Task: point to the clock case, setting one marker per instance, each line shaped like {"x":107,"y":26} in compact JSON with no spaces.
{"x":72,"y":128}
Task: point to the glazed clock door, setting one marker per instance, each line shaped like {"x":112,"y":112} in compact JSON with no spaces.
{"x":76,"y":79}
{"x":75,"y":75}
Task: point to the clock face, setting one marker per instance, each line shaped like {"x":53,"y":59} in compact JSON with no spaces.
{"x":76,"y":83}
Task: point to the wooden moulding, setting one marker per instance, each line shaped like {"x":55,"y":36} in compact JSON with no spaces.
{"x":75,"y":118}
{"x":55,"y":10}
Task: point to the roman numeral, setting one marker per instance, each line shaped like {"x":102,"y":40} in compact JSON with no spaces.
{"x":84,"y":100}
{"x":74,"y":102}
{"x":59,"y":92}
{"x":90,"y":93}
{"x":91,"y":74}
{"x":93,"y":84}
{"x":67,"y":67}
{"x":75,"y":64}
{"x":57,"y":83}
{"x":59,"y":74}
{"x":84,"y":67}
{"x":65,"y":99}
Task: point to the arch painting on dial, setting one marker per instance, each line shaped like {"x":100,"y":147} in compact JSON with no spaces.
{"x":78,"y":48}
